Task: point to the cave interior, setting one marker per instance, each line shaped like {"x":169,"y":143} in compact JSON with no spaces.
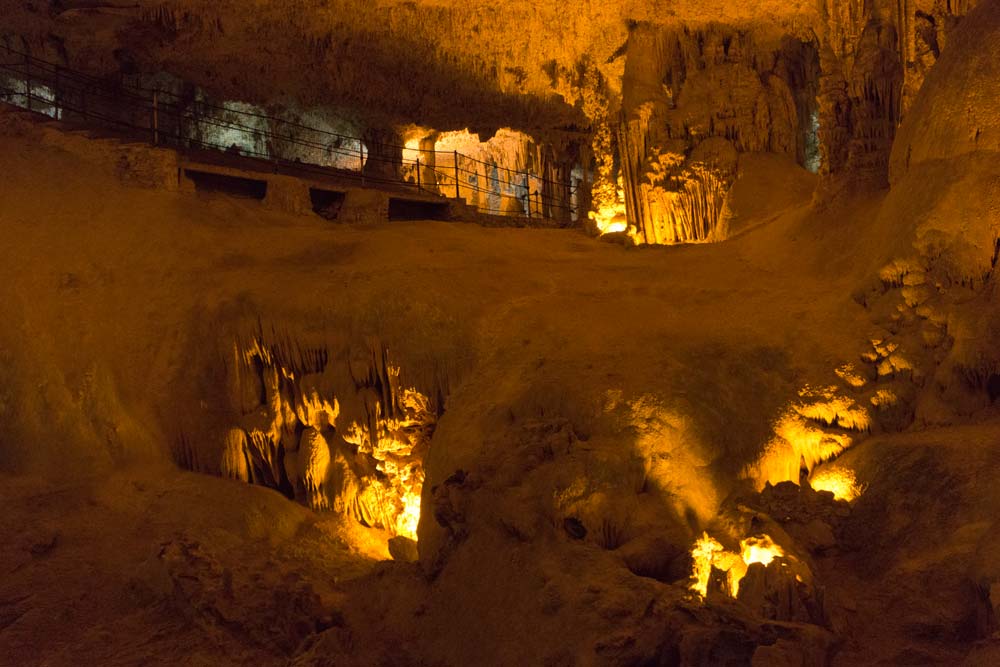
{"x":439,"y":332}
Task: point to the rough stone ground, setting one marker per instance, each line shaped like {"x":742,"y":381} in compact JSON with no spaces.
{"x":154,"y":566}
{"x":564,"y":360}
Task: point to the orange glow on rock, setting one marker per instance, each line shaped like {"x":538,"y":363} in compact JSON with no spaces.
{"x":841,"y":482}
{"x":709,"y":553}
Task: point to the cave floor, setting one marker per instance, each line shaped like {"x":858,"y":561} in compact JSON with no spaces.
{"x":148,"y":565}
{"x":120,"y":569}
{"x":113,"y":294}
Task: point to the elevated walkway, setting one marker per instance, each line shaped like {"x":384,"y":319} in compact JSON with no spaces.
{"x":333,"y":194}
{"x":284,"y":164}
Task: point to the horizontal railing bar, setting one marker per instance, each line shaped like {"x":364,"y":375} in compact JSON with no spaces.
{"x":66,"y":83}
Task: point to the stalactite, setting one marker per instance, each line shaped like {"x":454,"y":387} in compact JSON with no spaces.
{"x":685,"y":204}
{"x":875,"y":90}
{"x":235,"y":456}
{"x":294,"y":437}
{"x":690,"y":93}
{"x":632,"y":144}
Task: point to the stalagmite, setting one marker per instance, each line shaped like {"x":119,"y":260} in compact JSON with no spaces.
{"x":235,"y":463}
{"x":313,"y":463}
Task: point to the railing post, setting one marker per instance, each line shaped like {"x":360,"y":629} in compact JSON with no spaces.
{"x":458,"y":191}
{"x":361,"y":161}
{"x":27,"y":80}
{"x":156,"y":118}
{"x":527,"y":191}
{"x":418,"y":174}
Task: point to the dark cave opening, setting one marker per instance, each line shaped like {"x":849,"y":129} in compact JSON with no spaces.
{"x":326,"y":203}
{"x":234,"y":186}
{"x":799,"y":66}
{"x":993,"y":387}
{"x":413,"y":209}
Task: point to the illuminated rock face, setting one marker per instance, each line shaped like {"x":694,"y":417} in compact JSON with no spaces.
{"x":832,"y":100}
{"x":825,"y":83}
{"x":692,"y":100}
{"x":365,"y":462}
{"x":830,"y":107}
{"x":508,"y":174}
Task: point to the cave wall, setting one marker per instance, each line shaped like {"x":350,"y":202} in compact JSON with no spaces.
{"x":824,"y":83}
{"x":875,"y":56}
{"x":946,"y":185}
{"x":693,"y":99}
{"x":508,"y":174}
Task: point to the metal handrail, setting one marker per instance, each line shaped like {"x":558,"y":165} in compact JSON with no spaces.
{"x":157,"y":107}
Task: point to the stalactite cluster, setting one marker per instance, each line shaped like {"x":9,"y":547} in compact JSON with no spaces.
{"x":875,"y":57}
{"x":832,"y":79}
{"x":687,"y":207}
{"x":294,"y":435}
{"x":693,"y":100}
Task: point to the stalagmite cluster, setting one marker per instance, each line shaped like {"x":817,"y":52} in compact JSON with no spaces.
{"x":294,"y":438}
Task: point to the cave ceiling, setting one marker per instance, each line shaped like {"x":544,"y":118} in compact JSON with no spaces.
{"x":444,"y":63}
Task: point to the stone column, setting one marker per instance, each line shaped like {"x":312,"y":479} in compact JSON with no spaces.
{"x":385,"y":154}
{"x":428,"y":163}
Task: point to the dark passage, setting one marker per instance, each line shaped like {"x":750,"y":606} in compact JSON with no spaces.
{"x":410,"y":209}
{"x":993,"y":387}
{"x":326,"y":203}
{"x":231,"y":185}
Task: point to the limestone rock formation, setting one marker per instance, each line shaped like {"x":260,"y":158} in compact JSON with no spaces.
{"x":360,"y":455}
{"x":825,"y":83}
